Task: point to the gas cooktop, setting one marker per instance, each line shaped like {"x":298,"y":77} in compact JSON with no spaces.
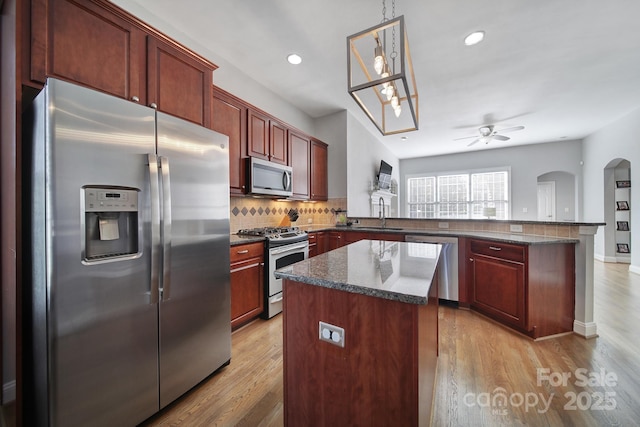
{"x":273,"y":233}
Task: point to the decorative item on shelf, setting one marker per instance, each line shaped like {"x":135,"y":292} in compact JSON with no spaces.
{"x":623,"y":248}
{"x":622,"y":205}
{"x":341,"y":217}
{"x":385,"y":82}
{"x":623,"y":225}
{"x":489,"y":212}
{"x":623,"y":184}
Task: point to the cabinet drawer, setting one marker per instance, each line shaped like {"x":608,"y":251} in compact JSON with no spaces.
{"x":243,"y":252}
{"x":499,"y":250}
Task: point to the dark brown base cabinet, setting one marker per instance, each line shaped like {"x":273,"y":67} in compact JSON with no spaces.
{"x":247,"y":283}
{"x":383,"y":376}
{"x":527,"y":287}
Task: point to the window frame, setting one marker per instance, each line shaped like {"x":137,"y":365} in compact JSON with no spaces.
{"x":470,"y":202}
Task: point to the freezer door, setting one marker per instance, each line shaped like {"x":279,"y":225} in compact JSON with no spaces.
{"x":92,"y":333}
{"x":195,"y":326}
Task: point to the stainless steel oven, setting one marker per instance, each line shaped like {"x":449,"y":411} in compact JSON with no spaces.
{"x":281,"y":256}
{"x":284,"y":246}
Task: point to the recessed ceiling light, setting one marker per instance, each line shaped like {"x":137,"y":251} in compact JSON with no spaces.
{"x":294,"y":59}
{"x":474,"y":38}
{"x":404,"y":138}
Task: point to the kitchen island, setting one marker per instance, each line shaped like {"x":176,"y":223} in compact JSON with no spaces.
{"x":361,"y":335}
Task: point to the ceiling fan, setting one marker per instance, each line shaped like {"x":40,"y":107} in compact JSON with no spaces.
{"x":487,"y":133}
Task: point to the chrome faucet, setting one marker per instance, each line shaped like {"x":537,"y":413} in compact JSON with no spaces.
{"x":383,"y":220}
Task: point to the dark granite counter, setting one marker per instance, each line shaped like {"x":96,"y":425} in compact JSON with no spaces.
{"x":524,"y":239}
{"x":243,"y":240}
{"x":397,"y":271}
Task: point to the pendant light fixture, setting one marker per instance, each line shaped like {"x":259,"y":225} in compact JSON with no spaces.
{"x":380,"y":75}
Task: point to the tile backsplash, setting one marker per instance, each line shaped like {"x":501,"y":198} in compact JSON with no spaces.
{"x":251,"y":212}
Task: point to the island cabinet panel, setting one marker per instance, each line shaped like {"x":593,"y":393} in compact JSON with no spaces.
{"x":229,"y":117}
{"x":530,"y":288}
{"x":96,"y":44}
{"x":247,"y":283}
{"x":384,"y":375}
{"x":319,"y":170}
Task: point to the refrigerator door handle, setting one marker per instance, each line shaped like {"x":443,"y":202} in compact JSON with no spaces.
{"x":155,"y":229}
{"x":166,"y":228}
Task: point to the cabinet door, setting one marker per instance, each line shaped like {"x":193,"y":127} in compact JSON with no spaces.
{"x":229,"y":117}
{"x":247,"y":297}
{"x":355,"y":236}
{"x":299,"y":155}
{"x":313,"y":244}
{"x":258,"y":135}
{"x":177,"y":83}
{"x":319,"y":187}
{"x":82,"y":42}
{"x":499,"y":289}
{"x":336,"y":240}
{"x":322,"y":242}
{"x":278,"y":145}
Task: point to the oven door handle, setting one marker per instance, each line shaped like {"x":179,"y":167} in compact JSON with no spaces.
{"x":278,"y":251}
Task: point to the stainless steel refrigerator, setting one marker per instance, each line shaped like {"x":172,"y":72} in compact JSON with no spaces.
{"x":126,"y":296}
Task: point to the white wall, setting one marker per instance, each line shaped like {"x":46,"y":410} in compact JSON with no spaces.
{"x":619,"y":140}
{"x":332,"y":129}
{"x":527,"y":162}
{"x":364,"y":153}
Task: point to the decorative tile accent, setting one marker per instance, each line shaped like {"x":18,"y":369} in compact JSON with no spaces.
{"x":260,"y":210}
{"x":280,"y":210}
{"x":268,"y":211}
{"x":253,"y":211}
{"x":235,"y":211}
{"x":244,"y":211}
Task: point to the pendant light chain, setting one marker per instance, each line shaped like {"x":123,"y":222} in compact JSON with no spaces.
{"x":394,"y":54}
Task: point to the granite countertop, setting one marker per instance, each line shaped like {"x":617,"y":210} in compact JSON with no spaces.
{"x":397,"y":271}
{"x":523,"y":239}
{"x":236,"y":240}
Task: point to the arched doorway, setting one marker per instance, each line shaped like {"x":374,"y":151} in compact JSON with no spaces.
{"x":617,"y":211}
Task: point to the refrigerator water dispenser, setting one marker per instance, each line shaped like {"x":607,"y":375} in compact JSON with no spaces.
{"x":110,"y":223}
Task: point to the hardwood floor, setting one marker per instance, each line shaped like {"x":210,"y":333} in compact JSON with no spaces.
{"x":488,"y":375}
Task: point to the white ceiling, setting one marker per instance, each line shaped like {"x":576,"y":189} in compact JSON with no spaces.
{"x":561,"y":68}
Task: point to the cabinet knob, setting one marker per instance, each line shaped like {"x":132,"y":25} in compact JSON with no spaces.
{"x":135,"y":99}
{"x":153,"y":105}
{"x":245,"y":251}
{"x":470,"y":259}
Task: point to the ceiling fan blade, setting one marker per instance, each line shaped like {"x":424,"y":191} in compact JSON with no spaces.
{"x":513,"y":129}
{"x":465,"y":137}
{"x":501,"y":137}
{"x":473,"y":142}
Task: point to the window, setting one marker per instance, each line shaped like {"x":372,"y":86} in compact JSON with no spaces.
{"x":458,"y":196}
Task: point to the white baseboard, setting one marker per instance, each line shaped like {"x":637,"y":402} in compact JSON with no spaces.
{"x":634,"y":269}
{"x":602,"y":258}
{"x":8,"y":392}
{"x":587,"y":330}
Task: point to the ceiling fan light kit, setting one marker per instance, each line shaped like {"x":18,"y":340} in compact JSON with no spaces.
{"x":380,"y":76}
{"x":488,"y":133}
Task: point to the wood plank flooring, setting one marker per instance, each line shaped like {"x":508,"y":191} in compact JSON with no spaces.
{"x":488,"y":375}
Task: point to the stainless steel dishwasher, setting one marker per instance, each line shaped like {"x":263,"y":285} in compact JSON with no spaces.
{"x":448,"y":274}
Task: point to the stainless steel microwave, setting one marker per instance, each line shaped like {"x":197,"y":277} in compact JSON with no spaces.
{"x":269,"y":178}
